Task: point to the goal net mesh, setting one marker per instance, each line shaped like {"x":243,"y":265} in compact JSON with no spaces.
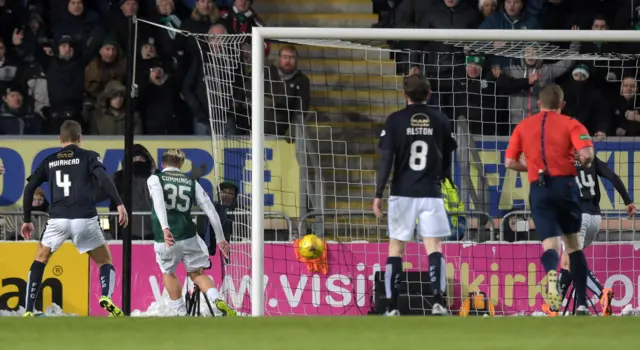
{"x":321,"y":155}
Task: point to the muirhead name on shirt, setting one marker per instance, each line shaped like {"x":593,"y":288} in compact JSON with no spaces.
{"x":64,"y":162}
{"x":419,"y":131}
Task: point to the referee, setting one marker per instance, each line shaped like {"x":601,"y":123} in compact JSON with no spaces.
{"x":549,"y":141}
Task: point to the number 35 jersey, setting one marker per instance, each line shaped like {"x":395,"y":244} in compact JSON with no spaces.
{"x":422,"y":143}
{"x":72,"y":180}
{"x":179,"y":192}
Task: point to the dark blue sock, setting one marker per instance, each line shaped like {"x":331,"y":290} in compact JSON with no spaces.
{"x":35,"y":280}
{"x":549,"y":260}
{"x":107,"y":279}
{"x":438,"y":275}
{"x":579,"y":272}
{"x":392,"y":281}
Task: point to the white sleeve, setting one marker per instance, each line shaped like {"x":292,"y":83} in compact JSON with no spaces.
{"x":204,"y":202}
{"x":157,"y":196}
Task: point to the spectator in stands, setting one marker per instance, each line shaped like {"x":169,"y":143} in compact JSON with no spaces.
{"x":119,"y":24}
{"x":16,"y":118}
{"x":410,"y":12}
{"x":8,"y":68}
{"x":27,"y":42}
{"x":475,"y":99}
{"x":625,"y":111}
{"x":524,"y":80}
{"x":585,"y":103}
{"x":65,"y":81}
{"x":617,"y":13}
{"x":14,"y":222}
{"x":203,"y":16}
{"x":487,"y":7}
{"x":603,"y":74}
{"x":83,"y":26}
{"x":108,"y":118}
{"x":512,"y":15}
{"x":143,"y":167}
{"x":407,"y":15}
{"x":35,"y":85}
{"x":556,"y":14}
{"x":165,"y":38}
{"x":289,"y":90}
{"x":194,"y":90}
{"x":107,"y":66}
{"x":11,"y":13}
{"x":240,"y":18}
{"x":444,"y":63}
{"x":160,"y":105}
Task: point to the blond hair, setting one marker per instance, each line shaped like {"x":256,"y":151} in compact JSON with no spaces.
{"x":173,"y":157}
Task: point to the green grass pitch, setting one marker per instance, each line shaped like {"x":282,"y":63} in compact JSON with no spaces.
{"x":310,"y":333}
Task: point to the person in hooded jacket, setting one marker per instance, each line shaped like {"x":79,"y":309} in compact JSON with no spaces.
{"x":586,"y":103}
{"x":143,"y":166}
{"x":108,"y":118}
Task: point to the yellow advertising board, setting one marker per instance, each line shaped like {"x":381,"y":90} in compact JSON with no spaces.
{"x":231,"y":162}
{"x":65,"y":281}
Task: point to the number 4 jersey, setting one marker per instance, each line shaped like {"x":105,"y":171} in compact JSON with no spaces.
{"x":72,"y":174}
{"x":422,"y":144}
{"x":587,"y":180}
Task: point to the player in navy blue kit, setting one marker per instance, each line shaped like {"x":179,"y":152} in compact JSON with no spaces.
{"x":418,"y":143}
{"x":72,"y":174}
{"x":589,"y":185}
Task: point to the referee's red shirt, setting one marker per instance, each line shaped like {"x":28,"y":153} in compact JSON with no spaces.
{"x":563,"y":135}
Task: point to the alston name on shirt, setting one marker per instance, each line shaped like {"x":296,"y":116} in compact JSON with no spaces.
{"x":420,"y":131}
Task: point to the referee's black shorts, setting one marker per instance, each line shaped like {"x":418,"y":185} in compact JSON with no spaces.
{"x":555,"y":208}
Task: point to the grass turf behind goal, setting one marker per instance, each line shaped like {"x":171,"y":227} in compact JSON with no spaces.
{"x":309,"y":333}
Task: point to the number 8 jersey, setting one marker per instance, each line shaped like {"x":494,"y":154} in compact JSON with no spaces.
{"x":422,"y":144}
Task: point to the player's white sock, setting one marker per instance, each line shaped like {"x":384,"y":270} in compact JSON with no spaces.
{"x":179,"y":306}
{"x":213,"y":294}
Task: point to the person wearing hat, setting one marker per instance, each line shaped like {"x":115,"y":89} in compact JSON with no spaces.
{"x":65,"y":82}
{"x":159,"y":101}
{"x":586,"y":103}
{"x":107,"y":66}
{"x":16,"y":118}
{"x":475,"y":100}
{"x":625,"y":113}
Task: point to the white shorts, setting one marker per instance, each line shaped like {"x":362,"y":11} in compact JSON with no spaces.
{"x":192,"y":252}
{"x":86,"y":234}
{"x":431,"y":214}
{"x":589,"y":229}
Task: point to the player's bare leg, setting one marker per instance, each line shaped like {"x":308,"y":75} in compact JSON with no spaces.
{"x":392,"y":276}
{"x":172,"y":285}
{"x":205,"y":283}
{"x":579,"y":272}
{"x":102,"y":257}
{"x":550,"y":259}
{"x":437,"y":273}
{"x":35,"y":278}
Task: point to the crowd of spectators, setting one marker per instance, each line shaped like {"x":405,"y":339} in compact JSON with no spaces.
{"x":67,"y":59}
{"x":494,"y":92}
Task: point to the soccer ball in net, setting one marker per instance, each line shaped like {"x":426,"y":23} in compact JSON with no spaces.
{"x":311,"y":247}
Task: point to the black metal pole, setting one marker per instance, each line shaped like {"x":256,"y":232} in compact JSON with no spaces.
{"x":128,"y":174}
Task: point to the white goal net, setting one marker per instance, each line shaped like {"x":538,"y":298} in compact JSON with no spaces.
{"x":321,"y":104}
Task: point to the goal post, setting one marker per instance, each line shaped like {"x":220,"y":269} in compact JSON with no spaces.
{"x":477,"y":39}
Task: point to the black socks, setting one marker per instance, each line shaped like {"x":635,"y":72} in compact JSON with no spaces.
{"x":35,"y":280}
